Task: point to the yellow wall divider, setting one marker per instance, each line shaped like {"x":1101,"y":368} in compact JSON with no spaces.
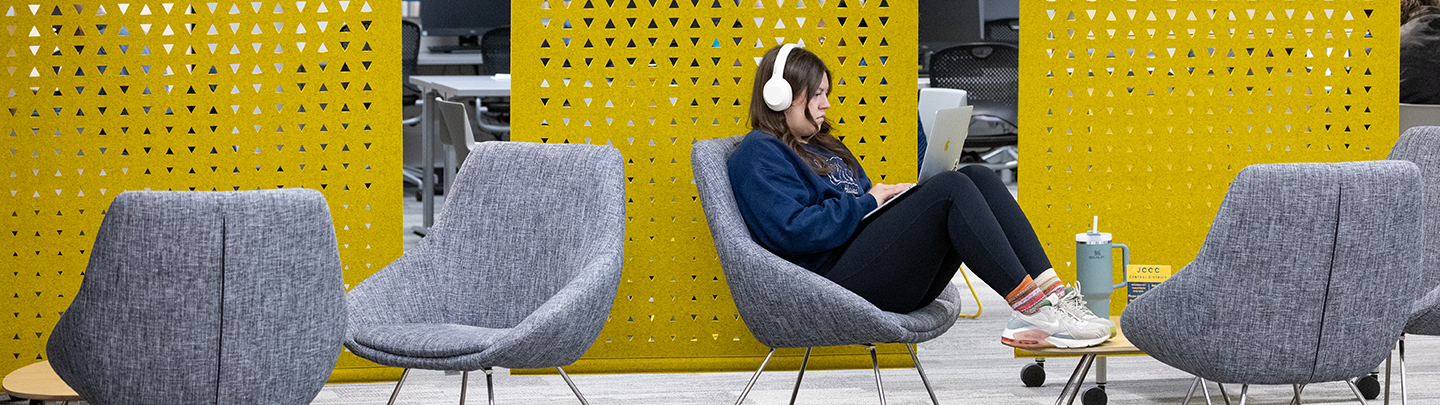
{"x":1142,"y":112}
{"x":102,"y":97}
{"x":651,"y":77}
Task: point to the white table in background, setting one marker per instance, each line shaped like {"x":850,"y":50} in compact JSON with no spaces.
{"x":425,"y":58}
{"x":446,"y":87}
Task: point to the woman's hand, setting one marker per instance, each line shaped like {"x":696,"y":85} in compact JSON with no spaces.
{"x":884,"y":192}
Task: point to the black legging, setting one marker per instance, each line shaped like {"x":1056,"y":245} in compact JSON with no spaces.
{"x":902,"y":259}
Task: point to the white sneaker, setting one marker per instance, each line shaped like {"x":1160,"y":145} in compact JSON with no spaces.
{"x":1052,"y":327}
{"x":1071,"y":301}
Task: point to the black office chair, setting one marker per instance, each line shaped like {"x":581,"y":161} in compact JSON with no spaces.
{"x":990,"y":73}
{"x":409,"y":59}
{"x":1005,"y":30}
{"x":410,"y":95}
{"x":495,"y":51}
{"x":494,"y":112}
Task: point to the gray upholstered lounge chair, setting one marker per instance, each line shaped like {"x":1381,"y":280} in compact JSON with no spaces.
{"x":206,"y":297}
{"x":519,"y":271}
{"x":1306,"y":276}
{"x":1421,"y":145}
{"x":785,"y":305}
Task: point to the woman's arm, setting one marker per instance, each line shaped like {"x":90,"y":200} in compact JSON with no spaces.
{"x":784,"y":211}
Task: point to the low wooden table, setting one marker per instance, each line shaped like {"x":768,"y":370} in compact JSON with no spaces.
{"x":1116,"y":346}
{"x":38,"y":382}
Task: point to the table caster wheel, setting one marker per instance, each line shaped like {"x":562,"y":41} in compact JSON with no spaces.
{"x":1094,"y":396}
{"x":1033,"y":374}
{"x":1369,"y":386}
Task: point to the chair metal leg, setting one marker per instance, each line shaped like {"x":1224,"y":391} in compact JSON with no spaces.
{"x":464,"y":383}
{"x":490,"y":385}
{"x":875,"y":361}
{"x":398,"y":384}
{"x":1356,"y":390}
{"x":572,"y":386}
{"x":803,"y":363}
{"x":1298,"y":389}
{"x":1205,"y":389}
{"x":923,"y":379}
{"x":755,"y":377}
{"x":1404,"y":397}
{"x":411,"y":177}
{"x":1387,"y":376}
{"x":1223,"y":394}
{"x":1244,"y":388}
{"x":1190,"y":393}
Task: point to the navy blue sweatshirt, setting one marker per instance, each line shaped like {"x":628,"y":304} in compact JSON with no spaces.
{"x":799,"y":215}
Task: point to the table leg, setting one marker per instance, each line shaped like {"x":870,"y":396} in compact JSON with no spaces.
{"x":1100,"y":372}
{"x":1072,"y":387}
{"x":427,"y":167}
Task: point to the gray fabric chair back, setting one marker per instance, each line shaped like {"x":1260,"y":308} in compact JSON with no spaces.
{"x":206,"y":297}
{"x":712,"y":180}
{"x":1306,"y":276}
{"x":521,"y":222}
{"x":783,"y":304}
{"x":1421,"y":145}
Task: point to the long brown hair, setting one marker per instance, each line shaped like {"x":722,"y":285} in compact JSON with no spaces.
{"x":804,"y":71}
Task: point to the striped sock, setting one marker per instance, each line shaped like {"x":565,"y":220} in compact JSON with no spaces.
{"x":1049,"y":282}
{"x":1026,"y":298}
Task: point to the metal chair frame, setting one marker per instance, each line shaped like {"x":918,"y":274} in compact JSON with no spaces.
{"x":1400,"y":348}
{"x":489,"y":385}
{"x":874,"y":362}
{"x":1245,"y":388}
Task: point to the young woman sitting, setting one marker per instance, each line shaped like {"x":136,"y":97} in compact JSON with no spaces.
{"x":803,"y":196}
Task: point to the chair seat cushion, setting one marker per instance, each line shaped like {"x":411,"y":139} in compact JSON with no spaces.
{"x":428,"y":339}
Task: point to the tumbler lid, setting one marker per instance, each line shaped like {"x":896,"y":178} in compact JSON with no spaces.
{"x":1093,"y":236}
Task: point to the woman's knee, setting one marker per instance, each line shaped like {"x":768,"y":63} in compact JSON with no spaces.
{"x":984,"y":178}
{"x":978,"y":172}
{"x":949,"y":178}
{"x":951,"y":182}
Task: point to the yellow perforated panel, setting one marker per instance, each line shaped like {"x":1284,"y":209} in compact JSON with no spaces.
{"x":101,"y":97}
{"x":1142,"y":112}
{"x":653,"y":76}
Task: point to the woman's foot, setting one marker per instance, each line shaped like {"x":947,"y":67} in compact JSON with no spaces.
{"x":1072,"y":302}
{"x":1050,"y":326}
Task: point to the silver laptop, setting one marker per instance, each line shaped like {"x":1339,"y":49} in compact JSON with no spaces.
{"x":942,"y":151}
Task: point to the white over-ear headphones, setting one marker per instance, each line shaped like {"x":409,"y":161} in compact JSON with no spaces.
{"x":777,"y":90}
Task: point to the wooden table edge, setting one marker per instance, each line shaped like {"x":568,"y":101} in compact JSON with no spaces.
{"x":30,"y":378}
